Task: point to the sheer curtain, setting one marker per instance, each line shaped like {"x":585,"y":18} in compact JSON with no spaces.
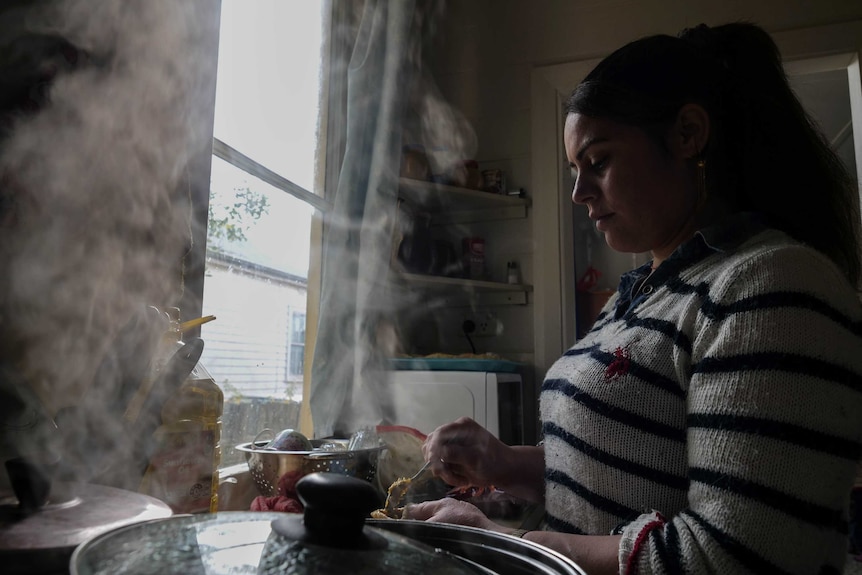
{"x":348,"y":375}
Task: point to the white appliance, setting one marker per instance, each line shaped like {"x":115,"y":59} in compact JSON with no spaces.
{"x":426,"y":400}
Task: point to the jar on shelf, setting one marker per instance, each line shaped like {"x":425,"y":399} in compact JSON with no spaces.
{"x":474,"y":258}
{"x":414,"y":163}
{"x":494,"y":181}
{"x":472,"y":177}
{"x":513,"y":275}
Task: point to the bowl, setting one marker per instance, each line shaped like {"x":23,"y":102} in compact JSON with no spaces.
{"x":268,"y":466}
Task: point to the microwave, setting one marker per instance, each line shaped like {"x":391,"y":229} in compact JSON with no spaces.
{"x":426,"y":400}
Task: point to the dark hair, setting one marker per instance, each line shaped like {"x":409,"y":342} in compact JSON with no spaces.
{"x":765,"y":154}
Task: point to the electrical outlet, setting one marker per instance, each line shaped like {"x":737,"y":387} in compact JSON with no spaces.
{"x":487,"y":324}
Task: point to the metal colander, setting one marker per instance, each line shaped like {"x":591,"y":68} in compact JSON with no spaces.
{"x":267,"y":467}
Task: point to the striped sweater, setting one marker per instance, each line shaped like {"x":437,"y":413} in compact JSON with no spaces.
{"x":713,"y":414}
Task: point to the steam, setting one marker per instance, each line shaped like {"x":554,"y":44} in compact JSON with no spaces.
{"x":95,"y":212}
{"x":446,"y":132}
{"x":363,"y":319}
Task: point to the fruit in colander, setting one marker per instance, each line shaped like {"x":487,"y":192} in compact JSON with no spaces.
{"x":289,"y":440}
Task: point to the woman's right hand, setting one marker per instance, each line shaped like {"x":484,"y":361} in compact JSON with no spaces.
{"x":464,"y":453}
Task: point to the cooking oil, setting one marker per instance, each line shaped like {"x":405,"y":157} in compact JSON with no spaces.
{"x":183,"y":470}
{"x":169,"y":343}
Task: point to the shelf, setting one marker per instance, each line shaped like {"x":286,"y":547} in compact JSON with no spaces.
{"x":454,"y":205}
{"x":459,"y":291}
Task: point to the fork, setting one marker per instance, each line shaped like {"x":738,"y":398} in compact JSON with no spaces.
{"x":398,"y":490}
{"x":422,"y":470}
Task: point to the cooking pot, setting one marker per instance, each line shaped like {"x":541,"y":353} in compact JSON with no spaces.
{"x":333,"y":536}
{"x":40,"y":539}
{"x":53,"y":492}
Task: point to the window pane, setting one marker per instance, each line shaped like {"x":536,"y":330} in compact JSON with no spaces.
{"x":298,"y":333}
{"x":297,"y":363}
{"x":258,"y":237}
{"x":278,"y":238}
{"x":255,"y":276}
{"x":268,"y":83}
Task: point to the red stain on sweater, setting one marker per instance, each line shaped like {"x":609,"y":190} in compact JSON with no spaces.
{"x":619,"y":366}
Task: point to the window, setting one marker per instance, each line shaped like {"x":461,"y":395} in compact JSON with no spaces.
{"x":296,"y":352}
{"x":262,"y":203}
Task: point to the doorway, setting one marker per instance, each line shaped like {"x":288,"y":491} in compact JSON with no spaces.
{"x":827,"y":88}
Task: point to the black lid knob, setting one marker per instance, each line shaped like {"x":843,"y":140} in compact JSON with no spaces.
{"x":30,"y":481}
{"x":336,"y":507}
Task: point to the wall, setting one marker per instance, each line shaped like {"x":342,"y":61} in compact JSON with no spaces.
{"x":486,"y":52}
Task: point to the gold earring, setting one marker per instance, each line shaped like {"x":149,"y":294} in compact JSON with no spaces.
{"x":701,"y":179}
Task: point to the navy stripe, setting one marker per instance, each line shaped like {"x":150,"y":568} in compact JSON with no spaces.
{"x":658,"y":545}
{"x":673,"y":564}
{"x":780,"y":299}
{"x":795,"y":434}
{"x":651,"y":377}
{"x":600,"y":317}
{"x":664,"y":327}
{"x":674,"y":481}
{"x":612,"y":412}
{"x":789,"y":362}
{"x":573,"y":352}
{"x":638,"y":370}
{"x":594,"y":499}
{"x":811,"y":513}
{"x":643,"y":373}
{"x":748,"y":557}
{"x":678,"y":286}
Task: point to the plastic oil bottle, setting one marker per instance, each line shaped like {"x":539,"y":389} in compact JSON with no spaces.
{"x":183,"y":470}
{"x":169,"y":343}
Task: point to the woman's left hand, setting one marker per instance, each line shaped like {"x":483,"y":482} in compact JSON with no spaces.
{"x":448,"y":510}
{"x":594,"y":553}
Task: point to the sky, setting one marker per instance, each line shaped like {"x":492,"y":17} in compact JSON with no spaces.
{"x":266,"y":108}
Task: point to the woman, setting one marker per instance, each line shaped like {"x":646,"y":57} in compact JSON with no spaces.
{"x":711,"y":419}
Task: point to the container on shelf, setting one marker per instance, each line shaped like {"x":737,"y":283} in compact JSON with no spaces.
{"x":494,"y":181}
{"x":414,"y":163}
{"x":474,"y":257}
{"x":513,"y":274}
{"x":472,"y":178}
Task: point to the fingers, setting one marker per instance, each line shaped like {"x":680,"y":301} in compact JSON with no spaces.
{"x":438,"y":510}
{"x":447,"y":510}
{"x":458,"y":452}
{"x":438,"y":466}
{"x":419,"y":511}
{"x":455,"y":474}
{"x":450,"y":442}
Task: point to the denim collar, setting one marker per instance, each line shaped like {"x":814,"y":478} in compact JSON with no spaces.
{"x":728,"y":234}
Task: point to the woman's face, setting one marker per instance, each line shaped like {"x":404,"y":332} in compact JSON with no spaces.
{"x":640,"y":196}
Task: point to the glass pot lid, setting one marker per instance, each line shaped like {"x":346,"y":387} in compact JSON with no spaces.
{"x":329,"y":538}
